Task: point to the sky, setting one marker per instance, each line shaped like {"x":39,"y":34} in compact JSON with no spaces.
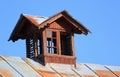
{"x":101,"y":17}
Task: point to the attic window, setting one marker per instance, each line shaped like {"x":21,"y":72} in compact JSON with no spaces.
{"x":66,"y":44}
{"x":51,"y":42}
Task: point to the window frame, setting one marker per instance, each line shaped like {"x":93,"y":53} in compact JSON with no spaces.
{"x":52,"y":44}
{"x":58,"y":42}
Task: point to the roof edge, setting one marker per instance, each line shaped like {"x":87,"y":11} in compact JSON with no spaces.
{"x":14,"y":30}
{"x":63,"y":13}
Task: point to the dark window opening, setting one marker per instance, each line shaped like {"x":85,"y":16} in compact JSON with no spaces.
{"x":51,"y":42}
{"x":40,"y":47}
{"x":31,"y":52}
{"x":66,"y":45}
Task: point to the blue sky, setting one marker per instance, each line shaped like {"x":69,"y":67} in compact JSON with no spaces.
{"x":101,"y":17}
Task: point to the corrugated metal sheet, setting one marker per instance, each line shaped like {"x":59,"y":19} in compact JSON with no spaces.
{"x":101,"y":70}
{"x":84,"y":71}
{"x":116,"y":69}
{"x":35,"y":19}
{"x":25,"y":67}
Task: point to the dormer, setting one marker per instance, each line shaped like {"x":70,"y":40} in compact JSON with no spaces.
{"x":51,"y":40}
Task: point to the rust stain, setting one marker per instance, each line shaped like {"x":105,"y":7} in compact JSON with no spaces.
{"x":68,"y":75}
{"x":54,"y":74}
{"x":88,"y":76}
{"x":33,"y":20}
{"x":48,"y":73}
{"x":5,"y":73}
{"x":104,"y":73}
{"x":117,"y":73}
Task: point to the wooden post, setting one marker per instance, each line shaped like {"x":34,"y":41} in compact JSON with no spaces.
{"x":58,"y":43}
{"x":44,"y":42}
{"x":35,"y":46}
{"x":72,"y":41}
{"x":27,"y":48}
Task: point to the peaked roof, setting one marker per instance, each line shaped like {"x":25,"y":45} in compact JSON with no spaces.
{"x":36,"y":20}
{"x":25,"y":67}
{"x":41,"y":22}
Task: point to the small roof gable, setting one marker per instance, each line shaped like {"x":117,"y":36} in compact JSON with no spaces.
{"x":69,"y":18}
{"x":41,"y":22}
{"x":35,"y":19}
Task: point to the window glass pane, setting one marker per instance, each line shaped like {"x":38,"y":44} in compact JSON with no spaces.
{"x":54,"y":42}
{"x":49,"y":41}
{"x":48,"y":49}
{"x":52,"y":50}
{"x":55,"y":50}
{"x":39,"y":50}
{"x":49,"y":33}
{"x":53,"y":34}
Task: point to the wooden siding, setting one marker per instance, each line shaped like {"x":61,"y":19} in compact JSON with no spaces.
{"x":54,"y":58}
{"x":55,"y":25}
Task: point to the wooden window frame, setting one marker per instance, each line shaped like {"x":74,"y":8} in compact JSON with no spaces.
{"x":58,"y":42}
{"x":51,"y":46}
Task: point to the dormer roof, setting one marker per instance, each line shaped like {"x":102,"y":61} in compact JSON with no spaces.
{"x":40,"y":22}
{"x":36,"y":20}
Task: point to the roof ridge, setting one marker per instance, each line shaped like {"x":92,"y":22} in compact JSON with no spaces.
{"x":35,"y":16}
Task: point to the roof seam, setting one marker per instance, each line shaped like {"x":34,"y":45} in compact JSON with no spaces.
{"x":91,"y":69}
{"x":56,"y":71}
{"x":31,"y":66}
{"x":76,"y":72}
{"x":111,"y":71}
{"x":11,"y":66}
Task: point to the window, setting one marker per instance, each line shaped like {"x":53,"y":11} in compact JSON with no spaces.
{"x":39,"y":46}
{"x":51,"y":42}
{"x":66,"y":45}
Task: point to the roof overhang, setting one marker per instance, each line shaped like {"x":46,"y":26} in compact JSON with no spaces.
{"x":77,"y":25}
{"x":40,"y":22}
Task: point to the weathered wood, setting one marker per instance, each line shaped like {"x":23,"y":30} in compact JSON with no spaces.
{"x":55,"y":48}
{"x":72,"y":41}
{"x":58,"y":42}
{"x":50,"y":20}
{"x":44,"y":42}
{"x":55,"y":26}
{"x":27,"y":47}
{"x":54,"y":58}
{"x":36,"y":46}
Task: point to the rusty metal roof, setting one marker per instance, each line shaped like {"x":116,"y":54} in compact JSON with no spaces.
{"x":40,"y":22}
{"x":25,"y":67}
{"x":35,"y":19}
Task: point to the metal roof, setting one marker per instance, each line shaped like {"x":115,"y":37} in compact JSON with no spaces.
{"x":25,"y":67}
{"x":41,"y":22}
{"x":35,"y":19}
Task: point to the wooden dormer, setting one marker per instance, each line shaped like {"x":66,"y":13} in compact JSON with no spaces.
{"x":49,"y":39}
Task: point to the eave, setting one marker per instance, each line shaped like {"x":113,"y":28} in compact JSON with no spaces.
{"x":69,"y":18}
